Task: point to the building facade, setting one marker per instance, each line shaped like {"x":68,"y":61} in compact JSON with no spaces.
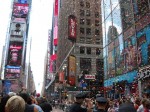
{"x":126,"y":46}
{"x":80,"y":41}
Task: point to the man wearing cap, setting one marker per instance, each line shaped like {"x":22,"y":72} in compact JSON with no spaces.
{"x":76,"y":107}
{"x":101,"y":104}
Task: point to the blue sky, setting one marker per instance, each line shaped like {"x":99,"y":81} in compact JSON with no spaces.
{"x":40,"y":23}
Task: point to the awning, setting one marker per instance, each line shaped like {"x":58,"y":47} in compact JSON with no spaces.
{"x":130,"y":77}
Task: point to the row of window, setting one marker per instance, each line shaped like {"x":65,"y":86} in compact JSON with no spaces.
{"x":88,"y":22}
{"x":88,"y":13}
{"x":85,"y":65}
{"x":88,"y":31}
{"x":87,"y":4}
{"x":87,"y":50}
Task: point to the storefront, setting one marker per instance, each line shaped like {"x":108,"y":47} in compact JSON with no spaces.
{"x":144,"y":79}
{"x":122,"y":85}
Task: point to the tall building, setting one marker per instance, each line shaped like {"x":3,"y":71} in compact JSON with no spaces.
{"x":80,"y":44}
{"x":14,"y":77}
{"x":126,"y":46}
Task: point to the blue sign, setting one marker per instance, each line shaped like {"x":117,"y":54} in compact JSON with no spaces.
{"x":22,"y":1}
{"x":130,"y":77}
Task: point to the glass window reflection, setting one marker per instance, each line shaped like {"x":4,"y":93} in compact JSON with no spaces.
{"x":117,"y":25}
{"x":114,"y":3}
{"x":109,"y":27}
{"x":107,"y":7}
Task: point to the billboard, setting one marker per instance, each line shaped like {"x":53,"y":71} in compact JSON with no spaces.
{"x":20,"y":10}
{"x":72,"y":70}
{"x":61,"y":76}
{"x":22,"y":1}
{"x":143,"y":50}
{"x":72,"y":26}
{"x":10,"y":86}
{"x":17,"y":29}
{"x":15,"y":53}
{"x":12,"y":72}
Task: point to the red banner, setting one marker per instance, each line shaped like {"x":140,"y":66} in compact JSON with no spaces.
{"x":56,"y":8}
{"x":72,"y":27}
{"x":54,"y":57}
{"x":55,"y":42}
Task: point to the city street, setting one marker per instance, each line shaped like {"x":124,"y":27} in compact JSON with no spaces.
{"x":57,"y":110}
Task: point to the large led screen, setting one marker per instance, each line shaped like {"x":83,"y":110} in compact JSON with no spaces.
{"x":72,"y":70}
{"x":20,"y":10}
{"x":10,"y":86}
{"x":15,"y":54}
{"x":17,"y":29}
{"x":12,"y":72}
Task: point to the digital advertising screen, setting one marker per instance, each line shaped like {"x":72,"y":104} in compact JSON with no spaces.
{"x":17,"y":29}
{"x":12,"y":72}
{"x":20,"y":10}
{"x":15,"y":54}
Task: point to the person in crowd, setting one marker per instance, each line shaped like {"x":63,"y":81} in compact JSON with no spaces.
{"x":147,"y":106}
{"x":32,"y":101}
{"x":28,"y":108}
{"x":137,"y":103}
{"x":15,"y":104}
{"x":3,"y":103}
{"x":127,"y":107}
{"x":102,"y":104}
{"x":111,"y":107}
{"x":141,"y":107}
{"x":45,"y":105}
{"x":76,"y":107}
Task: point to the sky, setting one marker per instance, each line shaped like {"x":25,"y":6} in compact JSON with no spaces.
{"x":40,"y":23}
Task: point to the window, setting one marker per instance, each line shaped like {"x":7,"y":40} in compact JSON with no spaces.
{"x":85,"y":64}
{"x":82,"y":21}
{"x":82,"y":50}
{"x":81,"y":30}
{"x":82,"y":4}
{"x":98,"y":51}
{"x":88,"y":50}
{"x":88,"y":31}
{"x":82,"y":39}
{"x":96,"y":22}
{"x":87,"y":12}
{"x":87,"y":5}
{"x":96,"y":14}
{"x":97,"y":32}
{"x":81,"y":12}
{"x":88,"y":21}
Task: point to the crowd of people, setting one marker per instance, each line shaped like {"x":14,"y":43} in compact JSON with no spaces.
{"x":24,"y":102}
{"x":102,"y":104}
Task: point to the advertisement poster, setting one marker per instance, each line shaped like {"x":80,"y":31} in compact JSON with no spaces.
{"x":143,"y":41}
{"x":72,"y":27}
{"x":130,"y":54}
{"x":6,"y":86}
{"x":72,"y":70}
{"x":20,"y":10}
{"x":15,"y":54}
{"x":61,"y":76}
{"x":17,"y":29}
{"x":12,"y":72}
